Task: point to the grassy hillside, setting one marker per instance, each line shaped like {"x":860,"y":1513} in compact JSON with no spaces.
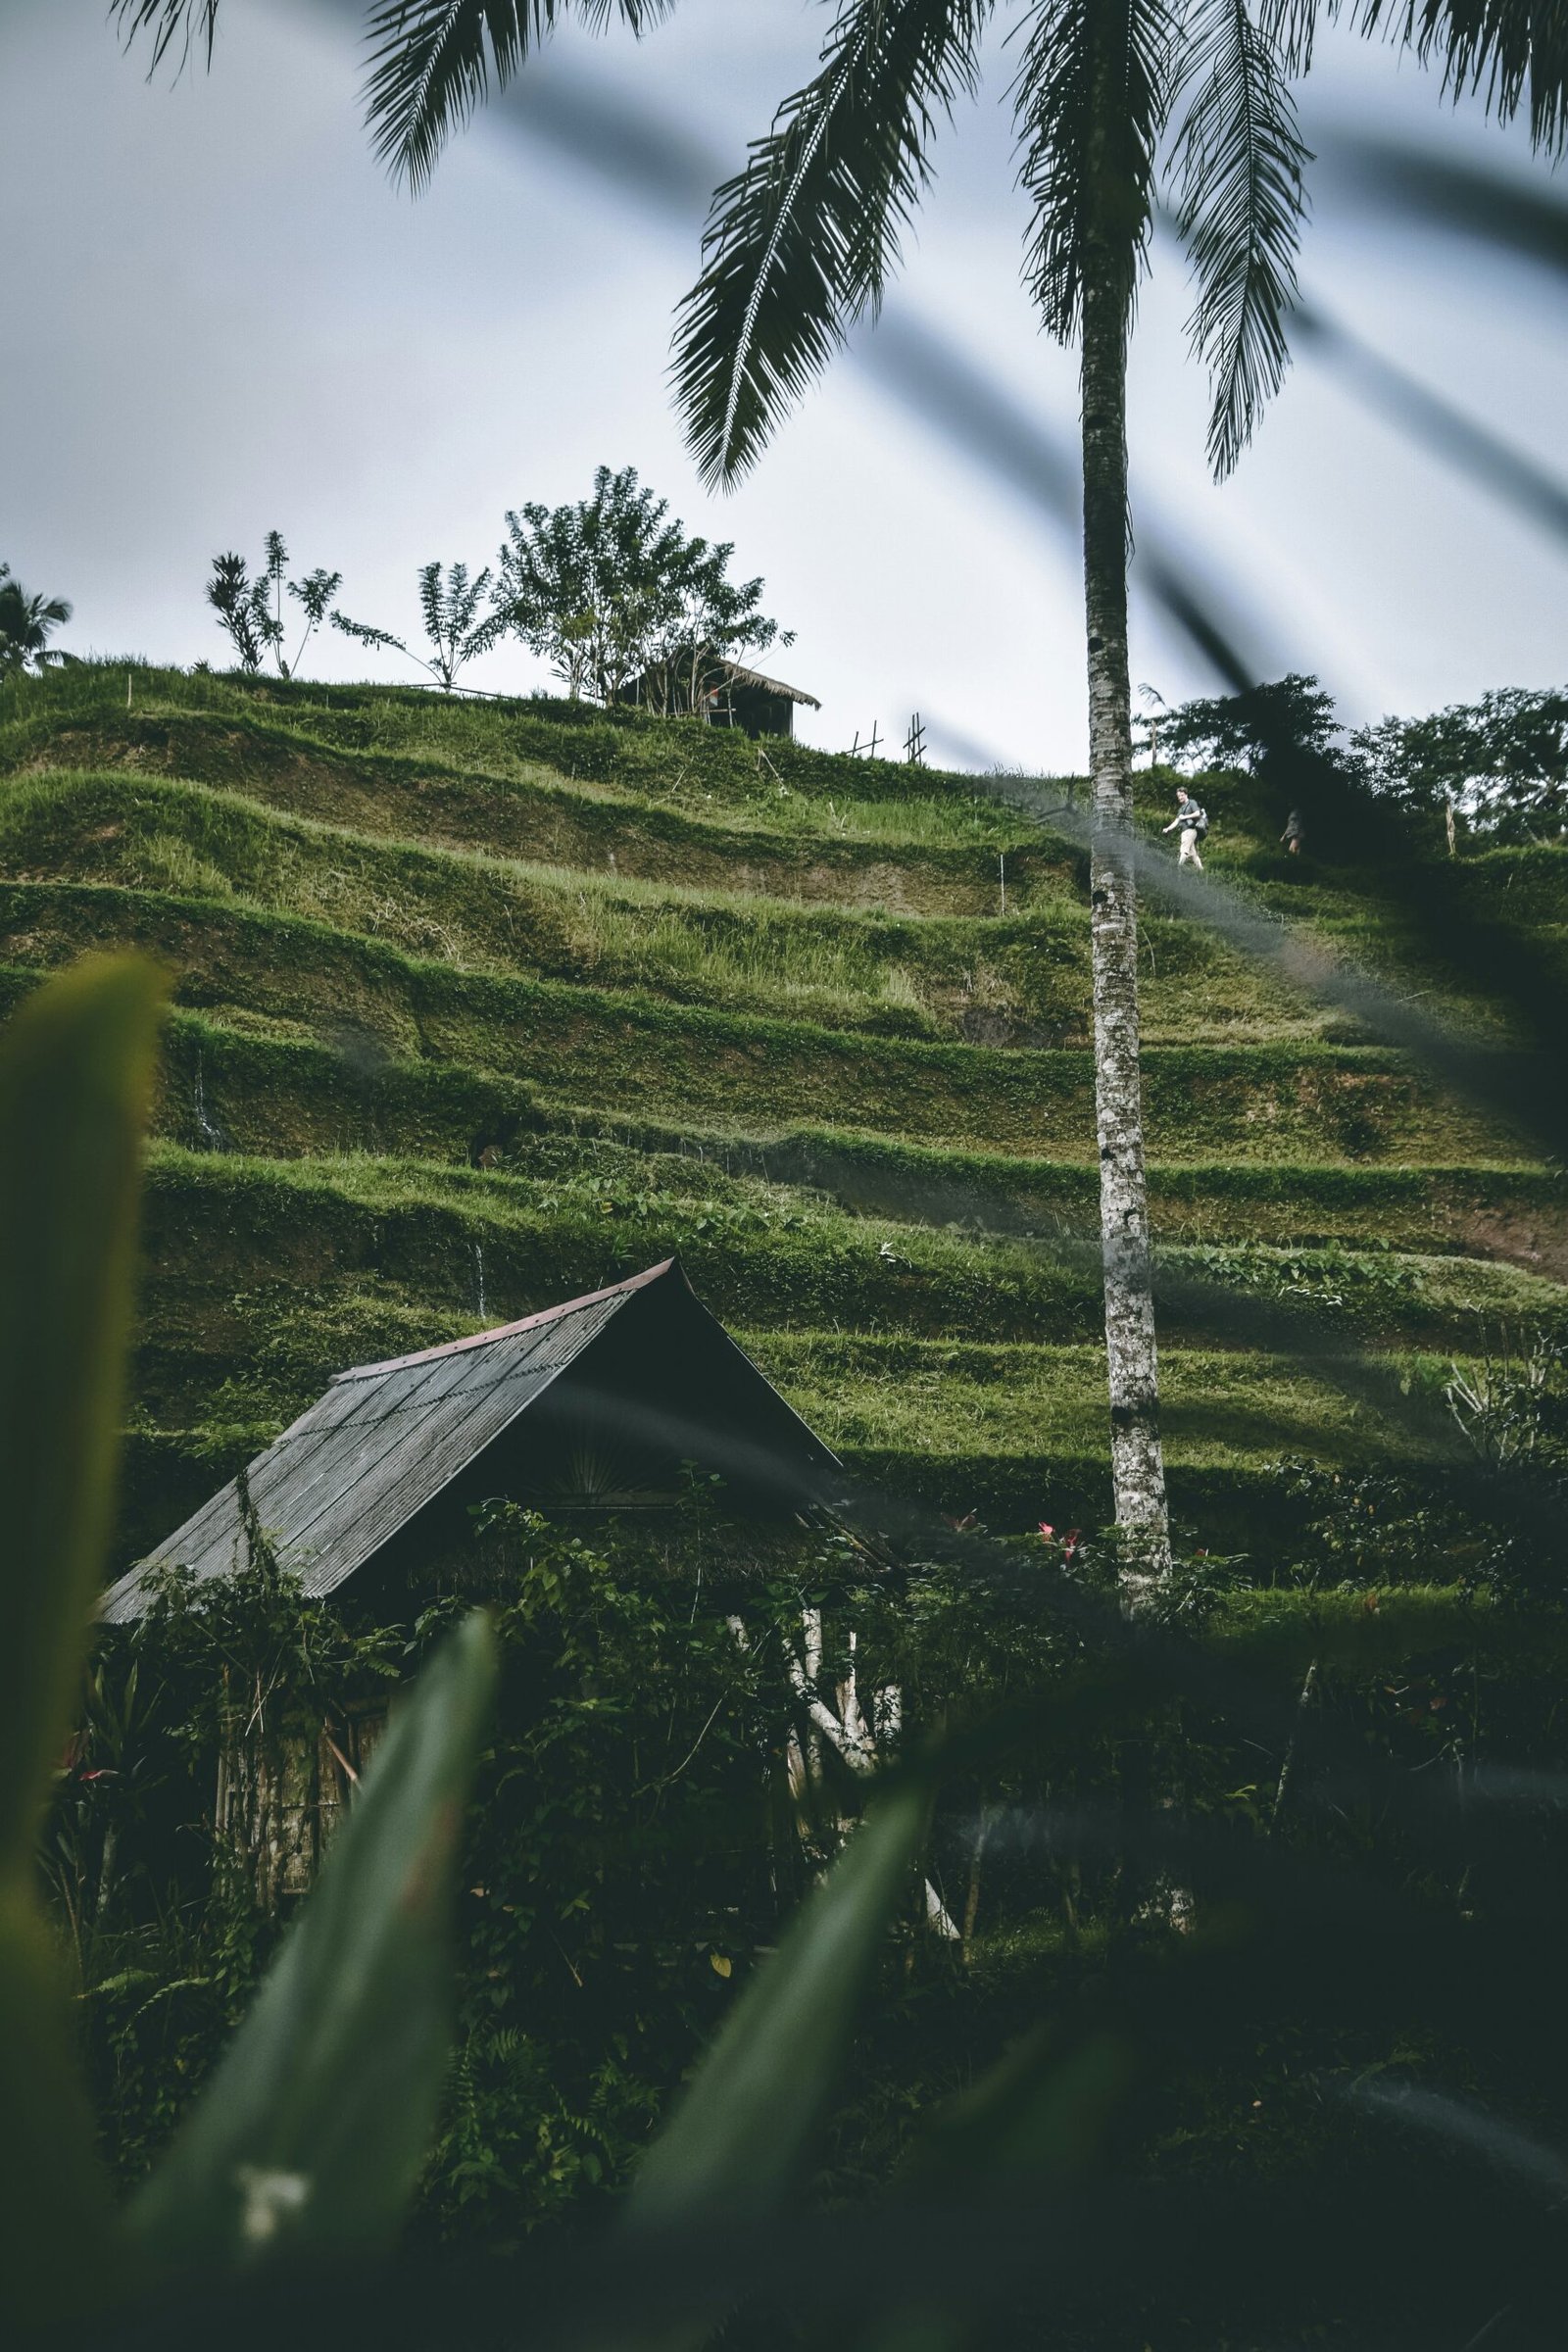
{"x":481,"y":1004}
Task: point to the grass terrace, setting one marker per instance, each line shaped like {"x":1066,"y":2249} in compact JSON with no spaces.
{"x":480,"y":1004}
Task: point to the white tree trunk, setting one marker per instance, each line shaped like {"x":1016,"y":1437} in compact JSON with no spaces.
{"x":1137,"y":1471}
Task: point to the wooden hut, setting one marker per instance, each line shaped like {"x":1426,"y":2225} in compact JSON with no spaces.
{"x":594,"y":1407}
{"x":726,"y":695}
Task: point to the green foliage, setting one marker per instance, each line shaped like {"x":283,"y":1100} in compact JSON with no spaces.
{"x":26,"y":624}
{"x":622,"y":604}
{"x":74,"y":1083}
{"x":75,"y":1071}
{"x":1269,"y":730}
{"x":740,"y":2139}
{"x":622,"y":1869}
{"x":251,"y":610}
{"x":363,"y":1974}
{"x":458,"y":630}
{"x":311,"y":2133}
{"x":1502,"y":763}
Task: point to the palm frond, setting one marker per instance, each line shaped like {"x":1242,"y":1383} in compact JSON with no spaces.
{"x":1090,"y":101}
{"x":800,"y":242}
{"x":431,"y":64}
{"x":1239,"y":162}
{"x":1289,"y":28}
{"x":187,"y":22}
{"x":1513,"y":51}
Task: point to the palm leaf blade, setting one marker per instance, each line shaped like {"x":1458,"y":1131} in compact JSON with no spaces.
{"x":432,"y":62}
{"x":1090,"y":102}
{"x":737,"y":2140}
{"x":76,"y":1084}
{"x":800,"y":242}
{"x":1240,"y":163}
{"x":311,"y":2131}
{"x":168,"y":20}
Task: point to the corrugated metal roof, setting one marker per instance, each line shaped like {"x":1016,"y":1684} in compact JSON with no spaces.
{"x":383,"y":1442}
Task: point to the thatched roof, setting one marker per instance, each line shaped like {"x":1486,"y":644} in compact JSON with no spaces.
{"x":739,"y":675}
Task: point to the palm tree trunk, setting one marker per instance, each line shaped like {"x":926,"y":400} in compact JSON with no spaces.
{"x":1138,"y":1470}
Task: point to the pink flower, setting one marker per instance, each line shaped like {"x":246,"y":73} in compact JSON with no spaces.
{"x":1047,"y":1530}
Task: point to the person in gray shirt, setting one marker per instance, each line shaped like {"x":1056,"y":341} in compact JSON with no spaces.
{"x":1194,"y":823}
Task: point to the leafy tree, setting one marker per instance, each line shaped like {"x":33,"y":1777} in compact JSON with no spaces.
{"x":450,"y":602}
{"x":1292,"y":717}
{"x":1502,"y":763}
{"x":251,"y":610}
{"x":582,"y":585}
{"x":611,"y":591}
{"x":704,"y":620}
{"x":314,"y":594}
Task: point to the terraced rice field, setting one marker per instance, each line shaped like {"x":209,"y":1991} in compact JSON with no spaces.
{"x":480,"y":1006}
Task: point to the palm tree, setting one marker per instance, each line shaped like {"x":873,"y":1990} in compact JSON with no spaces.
{"x":799,"y":245}
{"x":26,"y":624}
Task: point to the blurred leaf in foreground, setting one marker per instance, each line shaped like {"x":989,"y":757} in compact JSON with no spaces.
{"x":76,"y":1082}
{"x":738,"y":2140}
{"x":311,"y":2133}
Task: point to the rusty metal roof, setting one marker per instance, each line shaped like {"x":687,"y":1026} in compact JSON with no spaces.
{"x":383,"y":1442}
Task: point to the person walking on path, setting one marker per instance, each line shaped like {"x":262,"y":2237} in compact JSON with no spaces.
{"x":1194,"y":823}
{"x":1294,"y":832}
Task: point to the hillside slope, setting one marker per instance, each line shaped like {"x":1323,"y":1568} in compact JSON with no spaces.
{"x":481,"y":1004}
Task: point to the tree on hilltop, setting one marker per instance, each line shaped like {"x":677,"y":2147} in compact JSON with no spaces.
{"x":1283,"y":721}
{"x":26,"y":624}
{"x":251,"y":610}
{"x":1500,"y":764}
{"x":459,"y":629}
{"x":610,"y":592}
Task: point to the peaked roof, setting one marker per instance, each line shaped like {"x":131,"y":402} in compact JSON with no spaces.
{"x":386,"y":1439}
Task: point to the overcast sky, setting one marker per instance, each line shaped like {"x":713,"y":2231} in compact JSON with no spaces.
{"x":221,"y":318}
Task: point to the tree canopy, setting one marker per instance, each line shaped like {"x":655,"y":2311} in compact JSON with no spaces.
{"x":451,"y":606}
{"x":1502,"y":762}
{"x":613,"y":594}
{"x":1268,"y":724}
